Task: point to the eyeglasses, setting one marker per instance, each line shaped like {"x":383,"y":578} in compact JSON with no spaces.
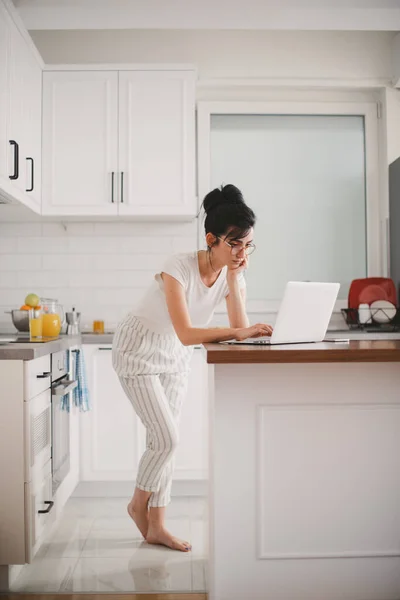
{"x":236,"y":248}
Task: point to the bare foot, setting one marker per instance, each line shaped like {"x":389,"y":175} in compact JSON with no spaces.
{"x":140,"y":517}
{"x":164,"y":538}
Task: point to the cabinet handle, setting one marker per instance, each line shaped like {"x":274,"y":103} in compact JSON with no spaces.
{"x":16,"y":159}
{"x":109,"y":348}
{"x":112,"y":187}
{"x":32,"y":174}
{"x":44,"y":375}
{"x":122,"y":187}
{"x":48,"y":509}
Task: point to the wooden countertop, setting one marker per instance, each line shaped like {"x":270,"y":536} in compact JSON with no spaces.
{"x":325,"y":352}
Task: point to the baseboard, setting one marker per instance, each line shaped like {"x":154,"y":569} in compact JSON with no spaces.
{"x":120,"y":489}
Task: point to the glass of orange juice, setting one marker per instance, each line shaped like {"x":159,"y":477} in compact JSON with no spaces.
{"x":35,"y":324}
{"x":98,"y":326}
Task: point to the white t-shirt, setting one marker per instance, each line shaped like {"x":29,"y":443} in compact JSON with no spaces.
{"x":201,"y":300}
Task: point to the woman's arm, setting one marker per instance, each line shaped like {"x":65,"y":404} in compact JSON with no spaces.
{"x":188,"y":335}
{"x":236,"y":304}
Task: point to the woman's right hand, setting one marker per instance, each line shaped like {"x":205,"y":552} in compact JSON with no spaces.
{"x":254,"y":331}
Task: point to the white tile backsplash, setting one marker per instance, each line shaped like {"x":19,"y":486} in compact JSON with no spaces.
{"x":102,"y":269}
{"x":20,"y":229}
{"x":20,"y":262}
{"x":39,"y":279}
{"x":129,"y":262}
{"x":8,"y":279}
{"x":8,"y":244}
{"x":40,"y":245}
{"x":69,"y":262}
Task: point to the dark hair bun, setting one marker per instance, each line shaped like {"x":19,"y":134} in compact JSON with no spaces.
{"x":226,"y":211}
{"x":226,"y":194}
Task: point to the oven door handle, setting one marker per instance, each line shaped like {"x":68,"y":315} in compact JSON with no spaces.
{"x":65,"y":387}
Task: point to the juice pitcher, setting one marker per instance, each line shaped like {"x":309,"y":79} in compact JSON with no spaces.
{"x":53,"y":317}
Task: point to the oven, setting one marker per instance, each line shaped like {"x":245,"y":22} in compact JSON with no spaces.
{"x":61,"y":387}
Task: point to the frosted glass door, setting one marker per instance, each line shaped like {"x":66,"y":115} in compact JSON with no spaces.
{"x":304,"y":176}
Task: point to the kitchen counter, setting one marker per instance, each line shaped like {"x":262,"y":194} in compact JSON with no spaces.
{"x":305,"y":444}
{"x":29,"y":351}
{"x":219,"y":353}
{"x":353,"y":351}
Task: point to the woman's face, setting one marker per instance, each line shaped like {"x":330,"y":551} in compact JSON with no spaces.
{"x":229,"y":250}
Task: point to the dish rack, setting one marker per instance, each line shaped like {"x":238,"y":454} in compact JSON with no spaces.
{"x":352,"y":318}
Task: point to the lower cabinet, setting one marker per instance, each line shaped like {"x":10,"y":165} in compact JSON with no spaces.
{"x":112,"y":437}
{"x":26,"y":498}
{"x":38,"y":505}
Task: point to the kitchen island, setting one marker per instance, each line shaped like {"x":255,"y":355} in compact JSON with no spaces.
{"x":304,"y":470}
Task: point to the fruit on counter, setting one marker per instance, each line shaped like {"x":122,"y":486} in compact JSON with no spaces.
{"x":26,"y":307}
{"x":32,"y":300}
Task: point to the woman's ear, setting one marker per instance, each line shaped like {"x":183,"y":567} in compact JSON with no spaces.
{"x":210,"y":240}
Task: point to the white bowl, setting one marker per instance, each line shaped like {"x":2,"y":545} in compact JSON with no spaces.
{"x":382,"y":311}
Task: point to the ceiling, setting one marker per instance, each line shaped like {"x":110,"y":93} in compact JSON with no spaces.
{"x":345,"y":15}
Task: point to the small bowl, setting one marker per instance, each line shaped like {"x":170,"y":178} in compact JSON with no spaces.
{"x":20,"y":319}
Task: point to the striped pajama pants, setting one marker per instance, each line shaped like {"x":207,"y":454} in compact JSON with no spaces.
{"x":153,"y":370}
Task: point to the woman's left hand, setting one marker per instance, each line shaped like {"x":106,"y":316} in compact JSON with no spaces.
{"x":234,"y":269}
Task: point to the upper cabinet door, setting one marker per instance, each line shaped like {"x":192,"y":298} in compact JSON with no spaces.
{"x":157,"y":143}
{"x":24,"y":117}
{"x":16,"y":127}
{"x":80,"y":143}
{"x":4,"y":58}
{"x":32,"y":150}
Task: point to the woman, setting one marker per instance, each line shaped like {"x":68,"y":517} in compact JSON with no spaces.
{"x":153,"y":345}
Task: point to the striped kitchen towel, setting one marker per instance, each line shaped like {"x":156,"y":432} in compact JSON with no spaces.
{"x":81,"y":392}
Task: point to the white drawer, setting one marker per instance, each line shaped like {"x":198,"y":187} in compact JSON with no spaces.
{"x":37,"y":376}
{"x":37,"y":434}
{"x":38,"y":510}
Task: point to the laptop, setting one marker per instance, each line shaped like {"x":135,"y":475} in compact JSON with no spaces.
{"x":303,"y":316}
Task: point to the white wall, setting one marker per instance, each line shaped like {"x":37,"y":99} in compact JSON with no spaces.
{"x":100,"y":268}
{"x":282,"y":54}
{"x":392,"y":100}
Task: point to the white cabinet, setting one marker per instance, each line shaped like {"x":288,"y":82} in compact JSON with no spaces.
{"x":38,"y":513}
{"x":4,"y":60}
{"x":80,"y":143}
{"x":32,"y":148}
{"x":112,"y":436}
{"x":37,"y":375}
{"x":157,"y":143}
{"x":119,"y":143}
{"x":20,"y":114}
{"x":16,"y":116}
{"x":38,"y":440}
{"x":25,"y":459}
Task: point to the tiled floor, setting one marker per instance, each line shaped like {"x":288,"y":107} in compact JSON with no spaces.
{"x":97,"y":548}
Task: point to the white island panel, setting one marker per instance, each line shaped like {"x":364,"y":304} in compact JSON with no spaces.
{"x":305,"y":466}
